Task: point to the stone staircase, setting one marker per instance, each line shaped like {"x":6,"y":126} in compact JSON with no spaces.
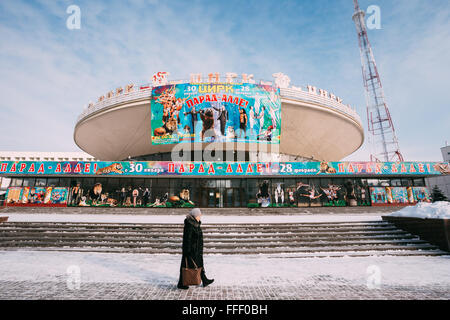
{"x":289,"y":239}
{"x":206,"y":211}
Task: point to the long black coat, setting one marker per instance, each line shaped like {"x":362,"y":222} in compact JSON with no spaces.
{"x":192,"y":243}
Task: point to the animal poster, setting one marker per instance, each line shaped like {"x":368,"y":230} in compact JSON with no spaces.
{"x":14,"y":195}
{"x":59,"y":196}
{"x":216,"y":112}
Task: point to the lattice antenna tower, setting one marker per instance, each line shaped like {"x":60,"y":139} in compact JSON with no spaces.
{"x":381,"y":133}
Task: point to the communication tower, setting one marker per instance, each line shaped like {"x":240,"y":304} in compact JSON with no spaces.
{"x":382,"y":138}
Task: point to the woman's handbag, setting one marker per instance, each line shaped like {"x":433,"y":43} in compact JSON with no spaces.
{"x":191,"y":276}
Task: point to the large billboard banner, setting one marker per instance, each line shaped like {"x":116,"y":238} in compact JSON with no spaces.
{"x":216,"y":112}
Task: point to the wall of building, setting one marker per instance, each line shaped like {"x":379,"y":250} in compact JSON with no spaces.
{"x":446,"y":153}
{"x":216,"y":192}
{"x":442,"y":182}
{"x":44,"y":156}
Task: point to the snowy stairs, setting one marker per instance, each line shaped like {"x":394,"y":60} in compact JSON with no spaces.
{"x":289,"y":239}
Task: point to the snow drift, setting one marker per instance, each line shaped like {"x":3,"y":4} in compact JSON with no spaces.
{"x":424,"y":210}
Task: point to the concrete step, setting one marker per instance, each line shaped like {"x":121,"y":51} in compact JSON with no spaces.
{"x":305,"y":239}
{"x":211,"y":238}
{"x":102,"y":228}
{"x":360,"y":254}
{"x":143,"y":225}
{"x":204,"y":225}
{"x":215,"y":236}
{"x":205,"y":211}
{"x":216,"y":245}
{"x":274,"y":255}
{"x":208,"y":243}
{"x":371,"y":250}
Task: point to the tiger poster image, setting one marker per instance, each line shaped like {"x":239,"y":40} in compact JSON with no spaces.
{"x":216,"y":112}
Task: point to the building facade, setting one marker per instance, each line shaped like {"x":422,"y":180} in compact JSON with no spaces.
{"x":201,"y":117}
{"x":217,"y":184}
{"x":17,"y":156}
{"x":215,"y":142}
{"x":442,"y":182}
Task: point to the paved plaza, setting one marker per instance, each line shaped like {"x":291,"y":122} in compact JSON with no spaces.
{"x":64,"y":274}
{"x":78,"y":275}
{"x":267,"y":290}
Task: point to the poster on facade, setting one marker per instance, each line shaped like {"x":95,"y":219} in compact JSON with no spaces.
{"x":421,"y":194}
{"x":397,"y":195}
{"x":263,"y":197}
{"x":59,"y":195}
{"x":216,"y":112}
{"x":25,"y":193}
{"x":333,"y":195}
{"x":378,"y":195}
{"x":48,"y":195}
{"x":217,"y":168}
{"x":309,"y":195}
{"x":127,"y":196}
{"x":14,"y":195}
{"x":37,"y":195}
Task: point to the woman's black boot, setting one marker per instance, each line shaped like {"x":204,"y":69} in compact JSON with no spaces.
{"x":180,"y":286}
{"x":206,"y":282}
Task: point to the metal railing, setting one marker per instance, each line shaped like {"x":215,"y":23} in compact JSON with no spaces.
{"x":136,"y":94}
{"x":144,"y":91}
{"x":311,"y":97}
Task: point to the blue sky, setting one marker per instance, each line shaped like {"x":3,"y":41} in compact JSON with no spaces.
{"x":49,"y":73}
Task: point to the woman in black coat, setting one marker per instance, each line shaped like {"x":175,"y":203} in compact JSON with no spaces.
{"x":193,"y":247}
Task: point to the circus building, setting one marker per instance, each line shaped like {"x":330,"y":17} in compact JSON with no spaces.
{"x":213,"y":141}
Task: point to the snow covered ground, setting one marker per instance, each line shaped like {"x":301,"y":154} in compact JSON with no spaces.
{"x":229,"y":271}
{"x":206,"y":219}
{"x":436,"y":210}
{"x":38,"y":266}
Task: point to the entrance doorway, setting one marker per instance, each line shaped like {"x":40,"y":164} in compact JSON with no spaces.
{"x":222,"y":195}
{"x":233,"y":197}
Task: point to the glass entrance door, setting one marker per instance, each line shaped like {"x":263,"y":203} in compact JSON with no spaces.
{"x":221,"y":194}
{"x":228,"y":197}
{"x":232,"y":197}
{"x":212,"y":198}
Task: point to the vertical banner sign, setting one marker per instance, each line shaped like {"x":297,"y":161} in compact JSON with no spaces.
{"x":219,"y":112}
